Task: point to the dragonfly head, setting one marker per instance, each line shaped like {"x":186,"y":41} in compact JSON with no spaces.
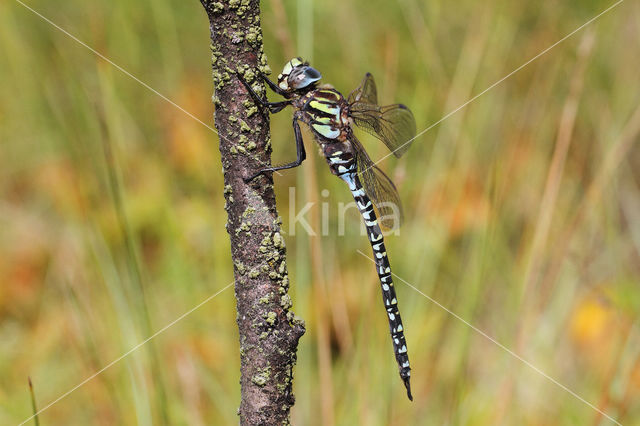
{"x":297,"y":75}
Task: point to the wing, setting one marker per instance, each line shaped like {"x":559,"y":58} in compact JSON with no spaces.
{"x":379,"y":188}
{"x":394,"y":125}
{"x":366,"y":93}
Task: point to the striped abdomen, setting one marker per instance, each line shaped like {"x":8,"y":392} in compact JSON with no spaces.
{"x":384,"y":272}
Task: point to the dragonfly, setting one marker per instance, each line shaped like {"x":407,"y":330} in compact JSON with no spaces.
{"x":331,"y":118}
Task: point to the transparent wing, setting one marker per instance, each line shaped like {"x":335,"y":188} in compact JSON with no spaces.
{"x":366,"y":93}
{"x":394,"y":125}
{"x":379,"y":188}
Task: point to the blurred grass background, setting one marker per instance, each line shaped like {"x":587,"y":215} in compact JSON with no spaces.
{"x":522,"y":215}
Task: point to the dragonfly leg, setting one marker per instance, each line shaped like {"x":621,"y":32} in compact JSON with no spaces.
{"x":273,"y":107}
{"x":273,"y":86}
{"x":300,"y":153}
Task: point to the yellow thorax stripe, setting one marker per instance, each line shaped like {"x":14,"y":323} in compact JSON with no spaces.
{"x":332,"y":109}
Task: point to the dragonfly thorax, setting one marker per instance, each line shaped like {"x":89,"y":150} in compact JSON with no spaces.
{"x":324,"y":110}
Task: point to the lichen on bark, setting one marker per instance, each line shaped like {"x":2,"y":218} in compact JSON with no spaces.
{"x":268,"y":329}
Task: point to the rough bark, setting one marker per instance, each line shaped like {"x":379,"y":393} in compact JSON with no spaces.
{"x":269,"y":331}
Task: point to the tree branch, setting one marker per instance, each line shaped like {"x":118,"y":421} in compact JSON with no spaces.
{"x":269,"y":332}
